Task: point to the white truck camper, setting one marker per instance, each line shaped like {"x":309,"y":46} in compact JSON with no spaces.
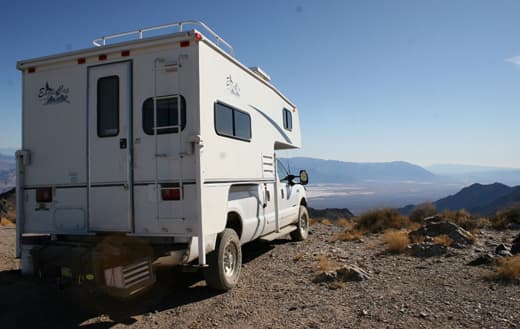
{"x":148,"y":151}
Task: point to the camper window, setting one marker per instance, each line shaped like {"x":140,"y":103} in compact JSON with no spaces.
{"x":167,"y":115}
{"x":108,"y":106}
{"x":287,"y":119}
{"x":231,"y":122}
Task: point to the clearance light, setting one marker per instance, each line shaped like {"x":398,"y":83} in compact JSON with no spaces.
{"x":44,"y":194}
{"x":102,"y":57}
{"x":169,"y":194}
{"x":82,"y":60}
{"x":294,"y":109}
{"x":185,"y":44}
{"x":125,"y":53}
{"x":31,"y":69}
{"x":198,"y":36}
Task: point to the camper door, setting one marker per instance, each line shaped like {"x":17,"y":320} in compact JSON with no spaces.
{"x":109,"y":157}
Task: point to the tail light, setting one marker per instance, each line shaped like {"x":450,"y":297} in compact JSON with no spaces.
{"x":44,"y":194}
{"x":171,"y":193}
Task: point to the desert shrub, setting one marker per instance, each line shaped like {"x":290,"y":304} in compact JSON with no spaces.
{"x":508,"y":268}
{"x":443,"y":240}
{"x":422,"y":211}
{"x":348,"y":235}
{"x":378,"y":220}
{"x":326,"y":222}
{"x":460,"y":217}
{"x":396,"y":241}
{"x":5,"y":222}
{"x":326,"y":264}
{"x":298,"y":257}
{"x":343,"y":222}
{"x":505,"y":217}
{"x":313,"y":221}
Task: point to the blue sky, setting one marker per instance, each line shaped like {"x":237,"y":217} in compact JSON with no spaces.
{"x":420,"y":81}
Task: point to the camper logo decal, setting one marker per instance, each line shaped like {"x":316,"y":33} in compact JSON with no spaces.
{"x":232,"y":86}
{"x":50,"y":95}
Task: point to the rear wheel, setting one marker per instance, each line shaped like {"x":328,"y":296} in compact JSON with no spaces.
{"x":224,"y":262}
{"x":303,"y":225}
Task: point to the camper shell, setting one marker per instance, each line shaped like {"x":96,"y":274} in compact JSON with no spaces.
{"x":149,"y":151}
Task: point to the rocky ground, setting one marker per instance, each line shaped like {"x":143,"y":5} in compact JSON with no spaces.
{"x":276,"y":290}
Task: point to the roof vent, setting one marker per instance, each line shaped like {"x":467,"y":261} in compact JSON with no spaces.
{"x":258,"y":71}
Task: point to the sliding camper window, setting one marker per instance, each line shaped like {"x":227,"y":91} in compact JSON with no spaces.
{"x":108,"y":106}
{"x":167,"y":115}
{"x":287,"y":119}
{"x":231,"y":122}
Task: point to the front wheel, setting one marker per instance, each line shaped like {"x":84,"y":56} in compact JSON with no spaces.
{"x":303,"y":225}
{"x":224,"y":262}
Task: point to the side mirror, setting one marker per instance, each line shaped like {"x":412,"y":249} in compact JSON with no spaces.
{"x":304,"y":177}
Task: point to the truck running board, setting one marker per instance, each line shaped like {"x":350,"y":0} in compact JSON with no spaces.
{"x":283,"y":231}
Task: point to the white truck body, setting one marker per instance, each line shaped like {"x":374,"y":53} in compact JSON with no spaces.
{"x":102,"y":133}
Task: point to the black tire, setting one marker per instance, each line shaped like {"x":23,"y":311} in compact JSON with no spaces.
{"x":224,"y":262}
{"x":303,"y":225}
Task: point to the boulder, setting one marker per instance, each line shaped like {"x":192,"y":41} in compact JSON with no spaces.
{"x":485,"y":259}
{"x":325,"y":277}
{"x":457,"y":234}
{"x":515,"y":247}
{"x":501,"y":247}
{"x":427,"y":249}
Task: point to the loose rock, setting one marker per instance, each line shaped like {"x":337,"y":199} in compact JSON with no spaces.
{"x":457,"y":234}
{"x":427,"y":249}
{"x":482,"y":260}
{"x":352,"y":273}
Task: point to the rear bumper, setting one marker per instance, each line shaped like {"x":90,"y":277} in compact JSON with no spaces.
{"x":117,"y":265}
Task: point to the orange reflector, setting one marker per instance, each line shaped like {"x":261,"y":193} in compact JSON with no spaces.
{"x":31,"y":70}
{"x":198,"y":36}
{"x":185,"y":44}
{"x":82,"y":60}
{"x":169,"y":194}
{"x":102,"y":57}
{"x":44,"y":194}
{"x":125,"y":53}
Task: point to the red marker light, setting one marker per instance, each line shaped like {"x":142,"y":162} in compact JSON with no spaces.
{"x":198,"y":36}
{"x":185,"y":44}
{"x":102,"y":57}
{"x":44,"y":194}
{"x":82,"y":60}
{"x":31,"y":70}
{"x":125,"y":53}
{"x":169,"y":194}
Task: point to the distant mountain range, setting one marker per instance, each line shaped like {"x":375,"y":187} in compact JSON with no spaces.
{"x":478,"y":199}
{"x":333,"y":171}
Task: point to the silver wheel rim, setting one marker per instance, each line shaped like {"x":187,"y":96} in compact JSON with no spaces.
{"x":303,"y":222}
{"x":230,"y":260}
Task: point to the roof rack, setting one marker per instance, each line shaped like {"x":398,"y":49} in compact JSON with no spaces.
{"x":100,"y":42}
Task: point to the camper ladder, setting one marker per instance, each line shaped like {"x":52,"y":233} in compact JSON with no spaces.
{"x":178,"y":127}
{"x":101,"y":41}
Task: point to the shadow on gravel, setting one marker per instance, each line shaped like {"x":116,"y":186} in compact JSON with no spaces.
{"x":27,"y":302}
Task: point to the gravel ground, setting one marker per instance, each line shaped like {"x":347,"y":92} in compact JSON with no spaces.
{"x":276,"y":291}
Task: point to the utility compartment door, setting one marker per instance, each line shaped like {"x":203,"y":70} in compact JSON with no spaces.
{"x":110,"y":148}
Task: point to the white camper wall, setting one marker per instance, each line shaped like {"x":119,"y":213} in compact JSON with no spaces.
{"x":226,"y":161}
{"x":55,"y":132}
{"x":231,"y":159}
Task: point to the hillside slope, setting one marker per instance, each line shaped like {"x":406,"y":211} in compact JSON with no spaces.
{"x":481,"y":199}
